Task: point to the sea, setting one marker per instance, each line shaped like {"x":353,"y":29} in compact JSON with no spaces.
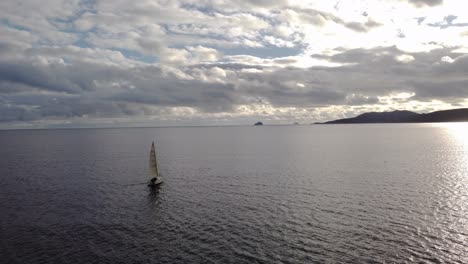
{"x":377,"y":193}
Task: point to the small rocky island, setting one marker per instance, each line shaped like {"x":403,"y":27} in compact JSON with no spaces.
{"x":258,"y":124}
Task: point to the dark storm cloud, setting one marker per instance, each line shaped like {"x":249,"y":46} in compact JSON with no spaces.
{"x":11,"y":113}
{"x":280,"y":94}
{"x":9,"y":88}
{"x":427,"y":76}
{"x":46,"y":77}
{"x":34,"y":106}
{"x":7,"y":48}
{"x":101,"y":90}
{"x":96,"y":90}
{"x":441,"y":90}
{"x":208,"y":97}
{"x":361,"y":100}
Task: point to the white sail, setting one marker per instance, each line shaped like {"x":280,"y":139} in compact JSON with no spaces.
{"x":153,"y":165}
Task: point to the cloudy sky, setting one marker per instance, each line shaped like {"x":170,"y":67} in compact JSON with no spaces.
{"x":217,"y":62}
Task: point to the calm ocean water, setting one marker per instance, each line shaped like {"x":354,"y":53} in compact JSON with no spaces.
{"x":393,"y":193}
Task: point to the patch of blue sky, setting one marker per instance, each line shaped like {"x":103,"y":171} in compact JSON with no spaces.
{"x":67,"y":23}
{"x":63,"y":24}
{"x":137,"y":56}
{"x":266,"y":52}
{"x":7,"y":23}
{"x":88,"y":5}
{"x":204,"y":9}
{"x":81,"y":42}
{"x":210,"y":10}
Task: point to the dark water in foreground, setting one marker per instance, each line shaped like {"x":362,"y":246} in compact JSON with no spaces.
{"x":292,"y":194}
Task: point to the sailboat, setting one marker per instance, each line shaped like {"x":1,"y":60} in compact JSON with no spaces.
{"x":153,"y":168}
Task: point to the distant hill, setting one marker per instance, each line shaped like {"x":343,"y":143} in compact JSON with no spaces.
{"x":455,"y":115}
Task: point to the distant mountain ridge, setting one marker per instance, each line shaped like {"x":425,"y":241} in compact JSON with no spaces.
{"x":455,"y":115}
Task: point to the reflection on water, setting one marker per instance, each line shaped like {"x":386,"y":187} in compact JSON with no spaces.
{"x":459,"y":131}
{"x":153,"y":192}
{"x":294,"y":194}
{"x":457,"y":188}
{"x":457,"y":141}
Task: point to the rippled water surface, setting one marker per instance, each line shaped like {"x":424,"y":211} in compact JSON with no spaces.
{"x":271,"y":194}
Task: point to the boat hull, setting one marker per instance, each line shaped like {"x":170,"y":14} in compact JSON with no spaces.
{"x":155,"y":183}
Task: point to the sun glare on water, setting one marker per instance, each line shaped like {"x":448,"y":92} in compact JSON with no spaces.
{"x":459,"y":132}
{"x":456,"y":135}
